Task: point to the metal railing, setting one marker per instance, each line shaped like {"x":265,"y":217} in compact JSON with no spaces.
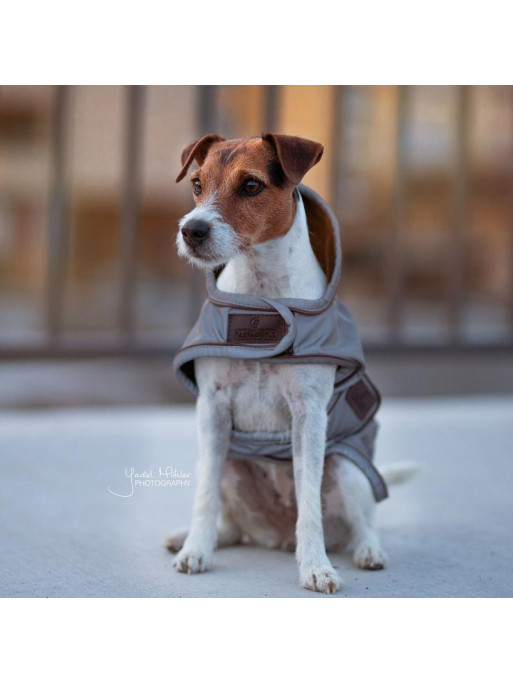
{"x":127,"y":341}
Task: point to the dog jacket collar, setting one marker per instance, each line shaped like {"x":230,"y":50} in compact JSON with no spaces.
{"x":294,"y":330}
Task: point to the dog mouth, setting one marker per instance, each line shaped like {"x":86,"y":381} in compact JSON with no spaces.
{"x":201,"y":254}
{"x":208,"y":255}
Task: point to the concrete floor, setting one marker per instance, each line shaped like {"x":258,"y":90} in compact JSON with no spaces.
{"x":62,"y":533}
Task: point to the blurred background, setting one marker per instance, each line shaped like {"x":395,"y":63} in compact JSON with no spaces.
{"x":94,"y":301}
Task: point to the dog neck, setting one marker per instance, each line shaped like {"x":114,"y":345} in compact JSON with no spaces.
{"x":283,"y":267}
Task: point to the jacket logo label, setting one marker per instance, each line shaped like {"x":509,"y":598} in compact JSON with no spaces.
{"x":255,"y":328}
{"x":361,"y":399}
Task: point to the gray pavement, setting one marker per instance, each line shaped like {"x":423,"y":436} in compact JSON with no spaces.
{"x":62,"y":533}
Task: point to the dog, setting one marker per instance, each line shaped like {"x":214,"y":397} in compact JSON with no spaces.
{"x":249,"y":231}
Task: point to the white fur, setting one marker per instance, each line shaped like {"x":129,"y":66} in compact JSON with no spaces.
{"x":222,"y":244}
{"x":284,"y":267}
{"x":259,"y":396}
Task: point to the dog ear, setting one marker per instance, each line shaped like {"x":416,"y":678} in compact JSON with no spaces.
{"x":197,"y":151}
{"x":296,"y":155}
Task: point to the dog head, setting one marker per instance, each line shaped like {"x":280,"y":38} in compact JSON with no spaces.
{"x":244,"y":193}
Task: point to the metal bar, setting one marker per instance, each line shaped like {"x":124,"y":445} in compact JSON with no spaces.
{"x":510,"y":293}
{"x":336,"y":145}
{"x":168,"y":347}
{"x":271,"y":108}
{"x":207,"y":114}
{"x":427,"y":348}
{"x":461,"y":222}
{"x":397,"y":243}
{"x":58,"y":215}
{"x":130,"y":211}
{"x":84,"y":351}
{"x":207,"y":122}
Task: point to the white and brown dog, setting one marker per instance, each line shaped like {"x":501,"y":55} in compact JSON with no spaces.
{"x":248,"y":219}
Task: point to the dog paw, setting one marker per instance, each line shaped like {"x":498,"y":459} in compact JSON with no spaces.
{"x":191,"y":562}
{"x":175,"y":541}
{"x":324,"y":580}
{"x":369,"y":557}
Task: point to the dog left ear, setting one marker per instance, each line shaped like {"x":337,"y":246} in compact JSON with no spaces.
{"x":198,"y":151}
{"x":296,"y":155}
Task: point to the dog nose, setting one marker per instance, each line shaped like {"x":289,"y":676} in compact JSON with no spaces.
{"x":195,"y":231}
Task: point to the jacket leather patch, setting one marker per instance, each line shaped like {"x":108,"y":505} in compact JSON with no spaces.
{"x":255,"y":328}
{"x":361,"y":399}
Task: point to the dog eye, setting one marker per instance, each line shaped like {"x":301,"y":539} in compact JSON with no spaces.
{"x":251,"y":187}
{"x":196,"y":186}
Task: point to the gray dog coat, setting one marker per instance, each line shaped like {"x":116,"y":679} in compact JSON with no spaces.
{"x":293,"y":330}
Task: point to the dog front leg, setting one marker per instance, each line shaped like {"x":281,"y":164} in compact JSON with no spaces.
{"x":309,"y":425}
{"x":214,"y":425}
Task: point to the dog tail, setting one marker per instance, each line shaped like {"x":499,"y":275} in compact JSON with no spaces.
{"x":402,"y":471}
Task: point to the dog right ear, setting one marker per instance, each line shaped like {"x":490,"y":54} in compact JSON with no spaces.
{"x":197,"y":151}
{"x":296,"y":155}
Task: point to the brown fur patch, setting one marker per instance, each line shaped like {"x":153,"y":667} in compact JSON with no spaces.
{"x":265,"y":216}
{"x":228,"y":153}
{"x":261,"y":497}
{"x":260,"y":508}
